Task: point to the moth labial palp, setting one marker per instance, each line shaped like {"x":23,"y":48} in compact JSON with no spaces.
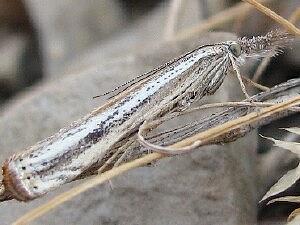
{"x":76,"y":149}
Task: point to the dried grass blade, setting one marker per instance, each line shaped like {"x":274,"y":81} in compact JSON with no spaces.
{"x":285,"y":23}
{"x":207,"y":135}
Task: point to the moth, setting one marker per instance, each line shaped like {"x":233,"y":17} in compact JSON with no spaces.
{"x":82,"y":148}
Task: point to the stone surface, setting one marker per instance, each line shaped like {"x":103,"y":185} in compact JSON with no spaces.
{"x":207,"y":187}
{"x":68,"y":27}
{"x":212,"y":186}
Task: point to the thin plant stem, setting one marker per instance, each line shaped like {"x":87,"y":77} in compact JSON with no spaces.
{"x":216,"y":20}
{"x":206,"y":136}
{"x":295,"y":16}
{"x":282,"y":21}
{"x":254,"y":84}
{"x":265,"y":62}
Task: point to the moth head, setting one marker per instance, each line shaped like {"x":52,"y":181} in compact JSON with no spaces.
{"x":235,"y":48}
{"x":236,"y":52}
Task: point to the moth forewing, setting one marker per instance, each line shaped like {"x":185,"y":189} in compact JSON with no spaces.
{"x":72,"y":151}
{"x":69,"y":153}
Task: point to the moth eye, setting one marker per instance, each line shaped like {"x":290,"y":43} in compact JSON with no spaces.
{"x":235,"y":49}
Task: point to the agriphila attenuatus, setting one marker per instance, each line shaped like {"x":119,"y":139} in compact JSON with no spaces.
{"x":74,"y":151}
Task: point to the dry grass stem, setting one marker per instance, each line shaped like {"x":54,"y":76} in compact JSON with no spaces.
{"x":285,"y":23}
{"x":234,"y":124}
{"x":295,"y":16}
{"x":204,"y":137}
{"x":215,"y":20}
{"x":265,"y":62}
{"x":106,"y":176}
{"x":214,"y":133}
{"x":231,"y":104}
{"x":216,"y":105}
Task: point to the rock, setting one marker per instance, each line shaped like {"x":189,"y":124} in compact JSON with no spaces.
{"x":212,"y":186}
{"x":65,"y":28}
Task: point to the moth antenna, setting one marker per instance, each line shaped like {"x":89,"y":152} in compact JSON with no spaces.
{"x":143,"y":76}
{"x":131,"y":82}
{"x":135,"y":80}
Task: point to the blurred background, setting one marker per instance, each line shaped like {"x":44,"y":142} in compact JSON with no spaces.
{"x":39,"y":38}
{"x":56,"y":55}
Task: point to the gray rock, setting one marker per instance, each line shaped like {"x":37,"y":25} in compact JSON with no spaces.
{"x":67,"y":27}
{"x":212,"y":186}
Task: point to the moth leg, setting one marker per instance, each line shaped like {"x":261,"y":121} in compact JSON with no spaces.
{"x":121,"y":159}
{"x":254,"y":84}
{"x":187,"y":101}
{"x":236,"y":69}
{"x":111,"y":160}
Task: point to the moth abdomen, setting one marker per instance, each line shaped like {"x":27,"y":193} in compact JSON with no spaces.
{"x":14,"y":184}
